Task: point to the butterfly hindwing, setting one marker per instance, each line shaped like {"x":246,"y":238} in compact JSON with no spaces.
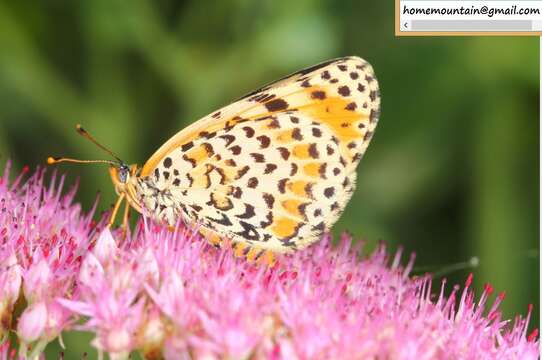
{"x":275,"y":168}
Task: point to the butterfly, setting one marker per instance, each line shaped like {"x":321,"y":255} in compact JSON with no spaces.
{"x":271,"y":172}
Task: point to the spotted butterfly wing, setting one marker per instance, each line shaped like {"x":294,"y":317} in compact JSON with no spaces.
{"x":275,"y":169}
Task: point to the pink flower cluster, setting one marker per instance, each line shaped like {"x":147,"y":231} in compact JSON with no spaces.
{"x":43,"y":239}
{"x":171,"y":295}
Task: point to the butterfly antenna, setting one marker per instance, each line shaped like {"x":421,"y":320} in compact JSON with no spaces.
{"x":85,"y":134}
{"x":55,"y":160}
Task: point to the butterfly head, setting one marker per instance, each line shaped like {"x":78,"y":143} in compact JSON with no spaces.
{"x":122,"y":175}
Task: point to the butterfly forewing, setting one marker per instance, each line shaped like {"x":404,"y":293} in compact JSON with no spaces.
{"x":274,"y":169}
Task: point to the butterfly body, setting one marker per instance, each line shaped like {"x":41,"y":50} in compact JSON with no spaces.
{"x":273,"y":170}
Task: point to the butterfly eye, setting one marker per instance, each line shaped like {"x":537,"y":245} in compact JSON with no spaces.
{"x":123,"y":173}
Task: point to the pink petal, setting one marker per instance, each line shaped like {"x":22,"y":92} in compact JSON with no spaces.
{"x":32,"y":322}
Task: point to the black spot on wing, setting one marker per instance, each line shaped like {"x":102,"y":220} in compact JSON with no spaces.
{"x":264,"y":141}
{"x":268,"y":220}
{"x":344,"y":91}
{"x":235,"y":150}
{"x":249,"y":212}
{"x":269,"y":200}
{"x":228,"y":138}
{"x":284,"y":152}
{"x":222,"y":175}
{"x":322,"y":170}
{"x":242,"y":172}
{"x":227,"y":205}
{"x":313,"y":151}
{"x":269,"y":168}
{"x":319,"y":229}
{"x":296,"y":134}
{"x":274,"y":124}
{"x":329,"y":192}
{"x":252,"y":182}
{"x":276,"y":105}
{"x":190,"y":179}
{"x":263,"y":97}
{"x":207,"y":135}
{"x":249,"y":132}
{"x":282,"y":185}
{"x":195,"y":207}
{"x":187,"y":146}
{"x":249,"y":231}
{"x":306,"y":83}
{"x":237,"y":192}
{"x":351,"y":106}
{"x":208,"y":149}
{"x":259,"y":158}
{"x":190,"y":160}
{"x":225,"y":220}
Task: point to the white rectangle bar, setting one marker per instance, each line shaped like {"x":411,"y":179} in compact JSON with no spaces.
{"x":471,"y":25}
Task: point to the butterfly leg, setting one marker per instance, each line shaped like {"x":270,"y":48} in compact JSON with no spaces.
{"x":115,"y":210}
{"x":125,"y":219}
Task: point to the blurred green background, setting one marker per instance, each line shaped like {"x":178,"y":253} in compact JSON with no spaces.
{"x":453,"y":169}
